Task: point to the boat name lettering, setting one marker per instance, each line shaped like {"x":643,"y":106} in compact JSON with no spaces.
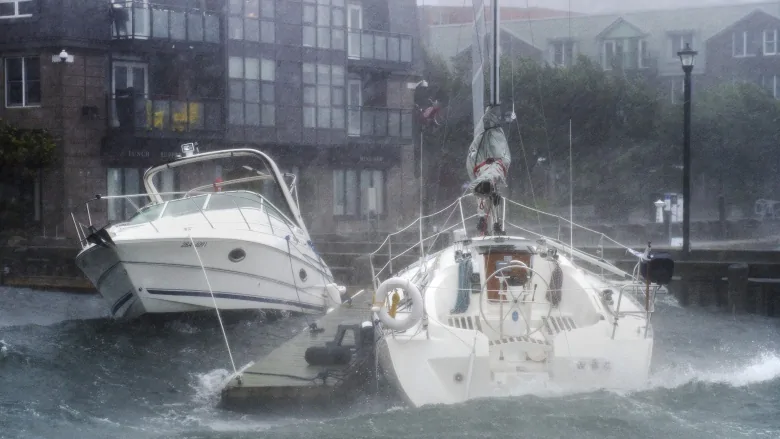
{"x":198,"y":244}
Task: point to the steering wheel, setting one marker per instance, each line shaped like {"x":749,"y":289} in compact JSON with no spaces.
{"x":512,"y":264}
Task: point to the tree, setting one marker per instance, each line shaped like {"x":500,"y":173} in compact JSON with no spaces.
{"x":609,"y":115}
{"x":24,"y":150}
{"x":22,"y":154}
{"x":734,"y":140}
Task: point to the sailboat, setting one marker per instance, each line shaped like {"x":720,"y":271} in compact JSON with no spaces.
{"x":501,"y":312}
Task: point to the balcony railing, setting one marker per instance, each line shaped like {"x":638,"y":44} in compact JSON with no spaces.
{"x":380,"y":46}
{"x":139,"y":113}
{"x":140,"y":20}
{"x":379,"y":122}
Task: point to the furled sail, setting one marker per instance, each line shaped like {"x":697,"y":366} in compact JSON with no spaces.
{"x":488,"y":158}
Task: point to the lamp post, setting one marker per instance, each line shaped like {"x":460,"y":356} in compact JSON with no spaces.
{"x":687,"y":57}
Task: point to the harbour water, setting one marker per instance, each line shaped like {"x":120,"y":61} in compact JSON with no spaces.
{"x":66,"y":371}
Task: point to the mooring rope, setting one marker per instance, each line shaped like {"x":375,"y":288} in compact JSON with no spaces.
{"x":216,"y":308}
{"x":295,"y":283}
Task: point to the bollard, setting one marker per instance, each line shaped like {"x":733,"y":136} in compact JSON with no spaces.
{"x":738,"y":282}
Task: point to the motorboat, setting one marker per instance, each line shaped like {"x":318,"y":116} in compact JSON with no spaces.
{"x":233,"y":240}
{"x":507,"y":309}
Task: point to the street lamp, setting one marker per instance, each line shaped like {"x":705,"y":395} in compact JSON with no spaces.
{"x":687,"y":57}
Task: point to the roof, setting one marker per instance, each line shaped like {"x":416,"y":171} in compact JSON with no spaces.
{"x":704,"y":22}
{"x":445,"y":14}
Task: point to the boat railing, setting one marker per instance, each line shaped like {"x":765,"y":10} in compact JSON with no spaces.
{"x":535,"y":223}
{"x":646,"y":310}
{"x":142,"y":212}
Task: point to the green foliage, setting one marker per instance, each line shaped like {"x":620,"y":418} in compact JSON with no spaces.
{"x":25,"y":150}
{"x":735,"y":140}
{"x":626,"y":136}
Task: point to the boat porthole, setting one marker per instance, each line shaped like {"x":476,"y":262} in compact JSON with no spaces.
{"x":237,"y":255}
{"x":458,"y":377}
{"x":302,"y":274}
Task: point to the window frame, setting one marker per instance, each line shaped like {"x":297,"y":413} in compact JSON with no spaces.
{"x":16,"y":9}
{"x":677,"y":42}
{"x":359,"y":202}
{"x":567,"y":50}
{"x":25,"y":92}
{"x":312,"y":88}
{"x":643,"y":54}
{"x":734,"y":53}
{"x":265,"y":102}
{"x":266,"y":21}
{"x":773,"y":41}
{"x":606,"y":62}
{"x":313,"y":28}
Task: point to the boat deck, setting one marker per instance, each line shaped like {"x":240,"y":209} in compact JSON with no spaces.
{"x":284,"y":375}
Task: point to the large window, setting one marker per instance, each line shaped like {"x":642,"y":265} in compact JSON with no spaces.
{"x":323,"y":96}
{"x":358,"y":192}
{"x":252,"y":20}
{"x":252,"y":91}
{"x":323,"y":24}
{"x":739,"y":44}
{"x":770,"y":42}
{"x":678,"y":42}
{"x":22,"y":82}
{"x":16,"y":8}
{"x":563,"y":53}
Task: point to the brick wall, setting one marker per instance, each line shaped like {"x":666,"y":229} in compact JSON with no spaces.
{"x":65,"y":89}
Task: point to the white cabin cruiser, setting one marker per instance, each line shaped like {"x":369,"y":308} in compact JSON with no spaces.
{"x":497,"y":314}
{"x":235,"y":240}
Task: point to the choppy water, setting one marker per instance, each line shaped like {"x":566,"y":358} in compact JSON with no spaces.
{"x":67,"y":372}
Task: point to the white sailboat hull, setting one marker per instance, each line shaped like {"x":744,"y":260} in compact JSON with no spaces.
{"x":430,"y":378}
{"x":573,"y":346}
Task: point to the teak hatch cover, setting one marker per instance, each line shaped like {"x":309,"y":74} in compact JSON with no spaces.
{"x":517,"y":275}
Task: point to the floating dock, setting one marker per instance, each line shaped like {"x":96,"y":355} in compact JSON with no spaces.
{"x":341,"y":346}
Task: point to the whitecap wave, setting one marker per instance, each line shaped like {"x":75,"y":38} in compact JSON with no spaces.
{"x":765,"y":367}
{"x":208,"y":385}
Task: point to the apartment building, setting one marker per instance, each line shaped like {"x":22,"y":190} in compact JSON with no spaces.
{"x":735,"y":42}
{"x":325,"y":87}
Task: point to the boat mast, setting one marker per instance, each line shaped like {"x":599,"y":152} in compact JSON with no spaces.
{"x":495,"y":61}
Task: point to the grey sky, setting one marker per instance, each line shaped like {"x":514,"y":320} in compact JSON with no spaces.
{"x":597,"y":6}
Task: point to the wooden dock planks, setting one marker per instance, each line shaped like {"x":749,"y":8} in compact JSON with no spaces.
{"x":284,"y":372}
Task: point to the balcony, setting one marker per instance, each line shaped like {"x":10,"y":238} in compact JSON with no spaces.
{"x":138,"y":20}
{"x":167,"y":117}
{"x":370,"y":48}
{"x":379,"y":123}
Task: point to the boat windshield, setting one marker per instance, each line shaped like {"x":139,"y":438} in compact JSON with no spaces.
{"x":248,"y":179}
{"x":206,"y":203}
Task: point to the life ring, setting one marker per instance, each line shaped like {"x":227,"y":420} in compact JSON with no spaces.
{"x":410,"y":290}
